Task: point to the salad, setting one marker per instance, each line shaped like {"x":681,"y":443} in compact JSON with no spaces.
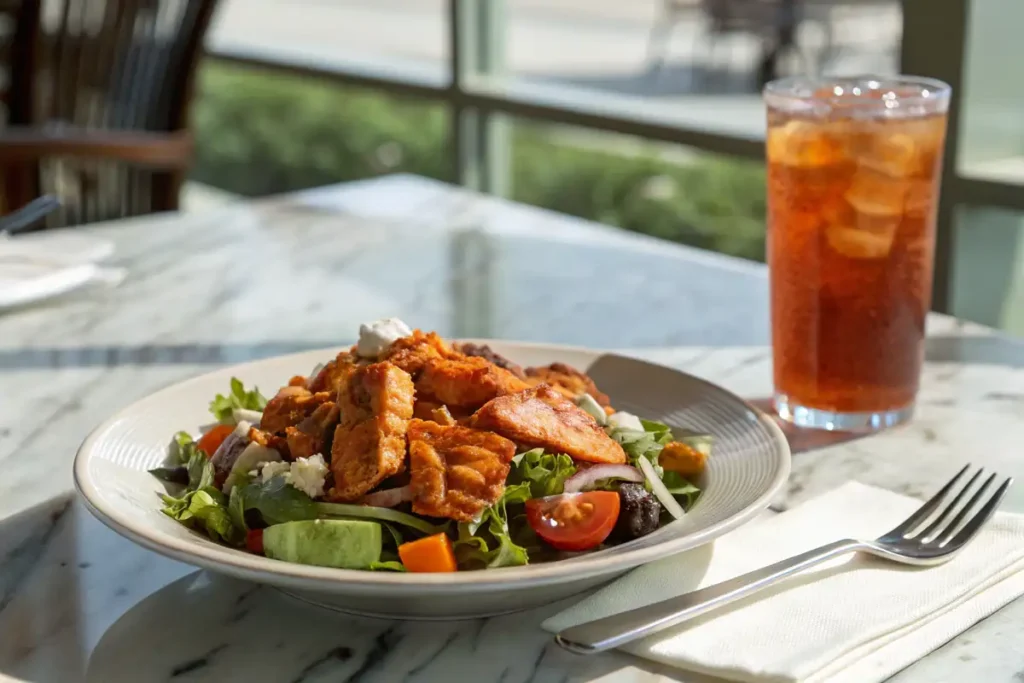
{"x":410,"y":453}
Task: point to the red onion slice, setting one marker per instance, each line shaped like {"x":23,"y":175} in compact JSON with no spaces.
{"x":389,"y":498}
{"x":587,"y":477}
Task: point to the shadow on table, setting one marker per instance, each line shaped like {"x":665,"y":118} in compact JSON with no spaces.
{"x":987,"y":350}
{"x":150,"y":354}
{"x":800,"y":439}
{"x":209,"y":628}
{"x":31,"y":543}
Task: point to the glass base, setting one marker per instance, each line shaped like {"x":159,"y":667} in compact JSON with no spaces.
{"x":814,"y":418}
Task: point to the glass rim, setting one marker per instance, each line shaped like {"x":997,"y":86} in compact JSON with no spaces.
{"x":801,"y":89}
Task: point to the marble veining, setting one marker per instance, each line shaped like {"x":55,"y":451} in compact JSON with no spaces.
{"x":79,"y":603}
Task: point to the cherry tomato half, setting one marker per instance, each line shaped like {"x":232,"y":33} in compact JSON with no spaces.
{"x":211,"y":440}
{"x":574,"y":521}
{"x":254,"y":541}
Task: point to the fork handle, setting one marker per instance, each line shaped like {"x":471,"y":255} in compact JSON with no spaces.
{"x":615,"y":630}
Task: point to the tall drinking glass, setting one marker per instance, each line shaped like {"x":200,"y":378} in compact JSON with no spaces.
{"x":853,"y":186}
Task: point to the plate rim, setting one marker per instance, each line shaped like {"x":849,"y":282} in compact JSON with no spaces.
{"x":328,"y":579}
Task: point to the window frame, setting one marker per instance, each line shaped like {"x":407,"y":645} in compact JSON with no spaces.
{"x":479,"y":114}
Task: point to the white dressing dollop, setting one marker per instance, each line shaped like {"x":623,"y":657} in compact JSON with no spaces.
{"x":376,"y":337}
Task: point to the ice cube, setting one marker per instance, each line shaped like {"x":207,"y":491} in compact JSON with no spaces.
{"x":876,"y":193}
{"x":893,"y":154}
{"x":804,"y":145}
{"x":860,"y":235}
{"x":859,"y":243}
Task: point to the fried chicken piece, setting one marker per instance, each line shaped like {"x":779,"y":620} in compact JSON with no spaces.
{"x":543,"y":418}
{"x":369,"y":444}
{"x":484,"y":351}
{"x":269,"y":440}
{"x":314,"y":434}
{"x":290,"y":406}
{"x":567,"y":381}
{"x":467,"y":382}
{"x":334,"y":376}
{"x":456,"y":472}
{"x":433,"y":411}
{"x":412,"y":353}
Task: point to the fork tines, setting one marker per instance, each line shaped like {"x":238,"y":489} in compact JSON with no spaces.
{"x":928,"y":525}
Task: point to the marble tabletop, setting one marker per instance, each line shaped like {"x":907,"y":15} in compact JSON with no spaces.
{"x":254,"y":279}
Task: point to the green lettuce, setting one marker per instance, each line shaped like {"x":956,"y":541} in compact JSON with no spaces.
{"x":205,"y":509}
{"x":680,"y":488}
{"x":275,"y":500}
{"x":487,"y":542}
{"x":387,"y":566}
{"x":649,"y":443}
{"x":200,"y":470}
{"x":184,"y":447}
{"x":222,"y":407}
{"x":546,"y":473}
{"x":342,"y":510}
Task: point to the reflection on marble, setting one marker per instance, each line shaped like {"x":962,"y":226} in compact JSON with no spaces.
{"x":77,"y":602}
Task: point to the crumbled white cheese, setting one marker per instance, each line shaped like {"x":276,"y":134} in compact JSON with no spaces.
{"x":272,"y":469}
{"x":306,"y":474}
{"x":624,"y":420}
{"x":376,"y":337}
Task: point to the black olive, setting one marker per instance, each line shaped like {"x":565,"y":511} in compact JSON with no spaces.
{"x":639,"y":512}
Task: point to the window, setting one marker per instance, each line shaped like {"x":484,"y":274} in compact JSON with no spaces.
{"x":992,"y":124}
{"x":660,"y":89}
{"x":260,"y":133}
{"x":988,"y":280}
{"x":397,"y":37}
{"x":663,"y":190}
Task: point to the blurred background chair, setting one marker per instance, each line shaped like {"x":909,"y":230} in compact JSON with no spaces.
{"x":97,"y":102}
{"x":772,"y":23}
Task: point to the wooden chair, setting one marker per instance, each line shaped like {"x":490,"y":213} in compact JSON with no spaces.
{"x":97,"y":104}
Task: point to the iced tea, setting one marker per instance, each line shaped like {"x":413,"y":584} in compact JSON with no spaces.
{"x":853,"y":183}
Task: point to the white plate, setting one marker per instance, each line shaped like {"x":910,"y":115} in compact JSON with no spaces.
{"x":41,"y":266}
{"x":749,"y":463}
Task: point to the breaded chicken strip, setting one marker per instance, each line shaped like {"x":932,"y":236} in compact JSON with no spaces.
{"x":412,"y":353}
{"x":543,"y":418}
{"x":456,"y":472}
{"x":467,"y":382}
{"x":335,"y":374}
{"x":290,"y":406}
{"x":314,"y":434}
{"x":487,"y":352}
{"x":369,"y":444}
{"x":566,"y":380}
{"x":445,"y":376}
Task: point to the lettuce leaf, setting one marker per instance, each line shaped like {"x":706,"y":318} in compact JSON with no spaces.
{"x":276,"y":501}
{"x":546,"y":473}
{"x":171,"y":475}
{"x":184,"y":447}
{"x":680,"y":488}
{"x":487,"y":543}
{"x":222,"y":406}
{"x":200,"y":470}
{"x":205,"y":509}
{"x":649,"y":443}
{"x":342,"y":510}
{"x":387,"y":566}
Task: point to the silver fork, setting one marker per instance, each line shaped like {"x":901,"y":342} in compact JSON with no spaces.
{"x":927,"y":537}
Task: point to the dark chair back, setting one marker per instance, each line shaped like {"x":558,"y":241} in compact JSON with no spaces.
{"x":98,"y":103}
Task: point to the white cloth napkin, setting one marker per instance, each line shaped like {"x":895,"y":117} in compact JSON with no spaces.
{"x":855,"y":620}
{"x":42,"y":265}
